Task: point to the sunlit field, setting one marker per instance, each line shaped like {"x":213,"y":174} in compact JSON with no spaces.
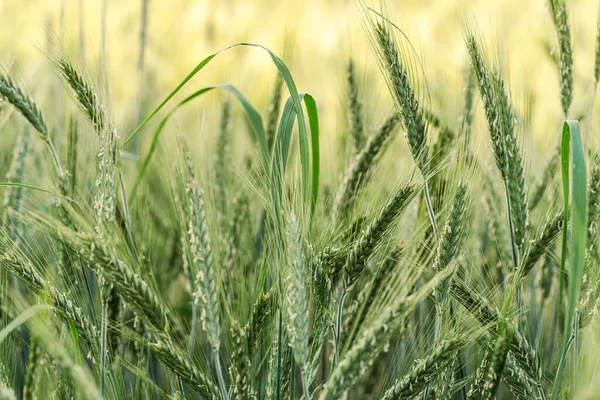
{"x":299,"y":200}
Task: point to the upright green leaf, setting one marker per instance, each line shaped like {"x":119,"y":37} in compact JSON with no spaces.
{"x":571,"y":139}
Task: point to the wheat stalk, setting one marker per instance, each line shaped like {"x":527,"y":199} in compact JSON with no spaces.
{"x":201,"y":261}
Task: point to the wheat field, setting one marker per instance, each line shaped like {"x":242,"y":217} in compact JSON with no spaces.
{"x":283,"y":200}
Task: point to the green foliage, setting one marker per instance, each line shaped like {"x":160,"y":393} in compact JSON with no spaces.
{"x":188,"y":273}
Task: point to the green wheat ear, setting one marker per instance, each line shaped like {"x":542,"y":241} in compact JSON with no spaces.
{"x":558,"y":10}
{"x":404,"y":95}
{"x":85,"y":95}
{"x":358,"y":173}
{"x":201,"y":261}
{"x":223,"y":144}
{"x":373,"y":235}
{"x":597,"y":57}
{"x":355,"y":109}
{"x":14,"y":95}
{"x":507,"y":154}
{"x":240,"y":368}
{"x":397,"y":71}
{"x":424,"y":370}
{"x":374,"y":339}
{"x":297,"y":302}
{"x":13,"y":196}
{"x":274,"y":111}
{"x":33,"y":367}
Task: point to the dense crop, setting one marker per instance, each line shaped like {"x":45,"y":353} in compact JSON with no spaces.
{"x":197,"y":275}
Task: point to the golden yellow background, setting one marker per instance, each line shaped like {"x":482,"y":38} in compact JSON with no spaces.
{"x":318,"y":37}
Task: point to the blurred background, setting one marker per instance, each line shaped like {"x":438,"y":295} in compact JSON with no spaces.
{"x":139,"y":50}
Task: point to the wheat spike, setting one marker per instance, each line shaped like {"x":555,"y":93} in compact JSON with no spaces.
{"x":514,"y":175}
{"x":33,"y":364}
{"x":357,"y":175}
{"x":172,"y":357}
{"x":558,"y":9}
{"x":404,"y":95}
{"x":24,"y":103}
{"x":202,"y":265}
{"x":85,"y":95}
{"x":374,"y":340}
{"x":373,"y":234}
{"x":262,"y":314}
{"x":415,"y":381}
{"x":297,"y":300}
{"x":13,"y":196}
{"x":221,"y":161}
{"x":273,"y":111}
{"x":355,"y":111}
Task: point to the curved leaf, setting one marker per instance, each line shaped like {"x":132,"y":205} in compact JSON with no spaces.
{"x":253,"y":115}
{"x":295,"y":96}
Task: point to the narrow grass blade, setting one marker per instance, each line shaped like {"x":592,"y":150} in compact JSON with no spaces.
{"x":22,"y":318}
{"x":282,"y":148}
